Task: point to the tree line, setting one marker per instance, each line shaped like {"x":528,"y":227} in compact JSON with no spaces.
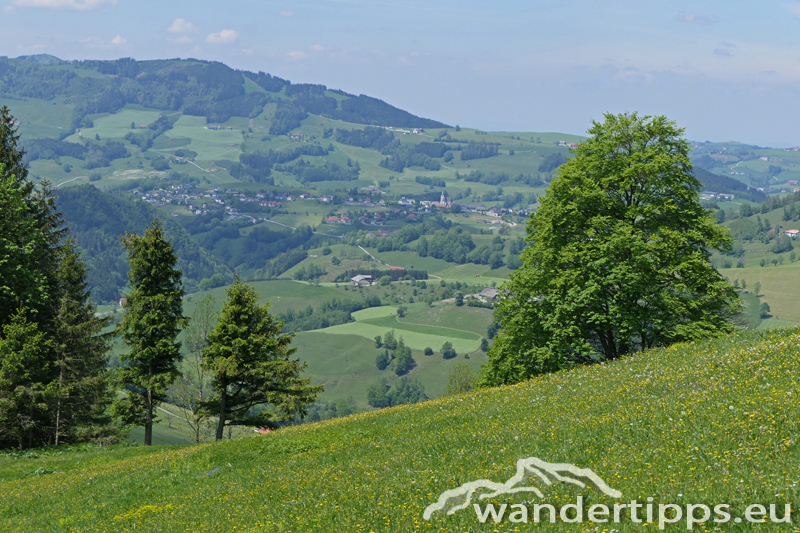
{"x":54,"y":383}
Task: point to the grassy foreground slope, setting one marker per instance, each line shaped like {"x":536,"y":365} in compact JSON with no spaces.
{"x":711,"y":422}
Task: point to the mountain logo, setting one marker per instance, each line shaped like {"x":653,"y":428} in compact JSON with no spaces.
{"x":531,"y":468}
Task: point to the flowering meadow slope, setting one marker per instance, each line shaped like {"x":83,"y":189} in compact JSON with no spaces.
{"x":711,"y":422}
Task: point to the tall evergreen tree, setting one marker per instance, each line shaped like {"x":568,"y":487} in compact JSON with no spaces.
{"x":30,"y":233}
{"x":153,"y":318}
{"x":24,"y":372}
{"x":251,"y":365}
{"x":82,"y":389}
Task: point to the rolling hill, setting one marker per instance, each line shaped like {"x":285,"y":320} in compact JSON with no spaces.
{"x":711,"y":422}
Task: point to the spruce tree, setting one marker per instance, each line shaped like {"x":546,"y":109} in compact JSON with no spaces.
{"x":250,"y":361}
{"x":82,"y":389}
{"x":24,"y":373}
{"x":153,"y":318}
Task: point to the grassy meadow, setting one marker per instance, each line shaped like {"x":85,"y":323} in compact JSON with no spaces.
{"x":707,"y":422}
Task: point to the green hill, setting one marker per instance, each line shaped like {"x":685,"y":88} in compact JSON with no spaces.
{"x":708,"y":423}
{"x":97,"y":220}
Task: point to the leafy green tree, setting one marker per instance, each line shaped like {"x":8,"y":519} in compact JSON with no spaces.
{"x":765,"y":310}
{"x":24,"y":373}
{"x":150,"y":327}
{"x":484,"y":345}
{"x":448,"y":352}
{"x":404,"y":361}
{"x":193,"y":387}
{"x":792,"y":256}
{"x":407,"y":390}
{"x":376,"y":394}
{"x":757,"y":288}
{"x":378,"y":341}
{"x":389,"y":341}
{"x":618,"y":258}
{"x":459,"y":299}
{"x":382,"y":360}
{"x":428,"y":351}
{"x":460,"y":380}
{"x":250,"y":362}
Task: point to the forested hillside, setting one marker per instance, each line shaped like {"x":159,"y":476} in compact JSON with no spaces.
{"x":97,"y":220}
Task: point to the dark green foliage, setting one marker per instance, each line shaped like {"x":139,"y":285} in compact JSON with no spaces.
{"x":462,"y":379}
{"x":451,"y":245}
{"x":369,"y":137}
{"x":52,"y":149}
{"x":489,"y":178}
{"x":308,"y":173}
{"x":484,"y":344}
{"x":287,"y":117}
{"x":246,"y":252}
{"x":52,"y":361}
{"x":150,"y":327}
{"x":631,"y":272}
{"x":552,"y":161}
{"x":727,"y":185}
{"x":266,"y":81}
{"x":479,"y":150}
{"x":403,"y":360}
{"x":765,"y":310}
{"x":251,"y":364}
{"x":330,"y":313}
{"x":428,"y":351}
{"x":98,"y":220}
{"x":448,"y":352}
{"x":406,"y":390}
{"x":281,"y":263}
{"x":783,"y":243}
{"x":327,"y":410}
{"x":312,"y":272}
{"x":80,"y":388}
{"x":474,"y":302}
{"x":382,"y":360}
{"x":24,"y":373}
{"x":436,"y":182}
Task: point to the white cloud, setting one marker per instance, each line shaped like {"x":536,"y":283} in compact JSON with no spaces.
{"x":119,"y":40}
{"x":297,"y":55}
{"x":722,"y":52}
{"x":181,"y":40}
{"x":286,"y":13}
{"x":317,"y":48}
{"x":9,"y":10}
{"x":79,"y":5}
{"x":699,"y":19}
{"x":223,"y":37}
{"x":181,"y":26}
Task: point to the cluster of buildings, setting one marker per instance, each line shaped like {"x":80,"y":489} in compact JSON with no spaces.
{"x":711,"y":195}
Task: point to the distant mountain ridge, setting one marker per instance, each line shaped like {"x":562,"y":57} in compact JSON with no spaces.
{"x":192,"y":86}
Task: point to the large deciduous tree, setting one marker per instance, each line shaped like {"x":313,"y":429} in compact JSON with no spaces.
{"x":250,"y":362}
{"x":153,"y":318}
{"x":618,"y":258}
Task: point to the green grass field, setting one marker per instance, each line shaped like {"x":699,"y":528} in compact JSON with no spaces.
{"x":707,"y":422}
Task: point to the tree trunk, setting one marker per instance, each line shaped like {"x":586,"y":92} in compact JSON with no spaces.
{"x":221,"y":424}
{"x":148,"y":424}
{"x":58,"y":405}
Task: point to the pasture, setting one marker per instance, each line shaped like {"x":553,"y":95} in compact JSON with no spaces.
{"x":706,"y":422}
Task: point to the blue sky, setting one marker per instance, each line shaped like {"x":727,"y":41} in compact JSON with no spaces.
{"x":724,"y":70}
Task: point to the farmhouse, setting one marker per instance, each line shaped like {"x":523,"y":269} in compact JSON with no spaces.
{"x":361,"y":280}
{"x":488,"y":294}
{"x":792,"y":232}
